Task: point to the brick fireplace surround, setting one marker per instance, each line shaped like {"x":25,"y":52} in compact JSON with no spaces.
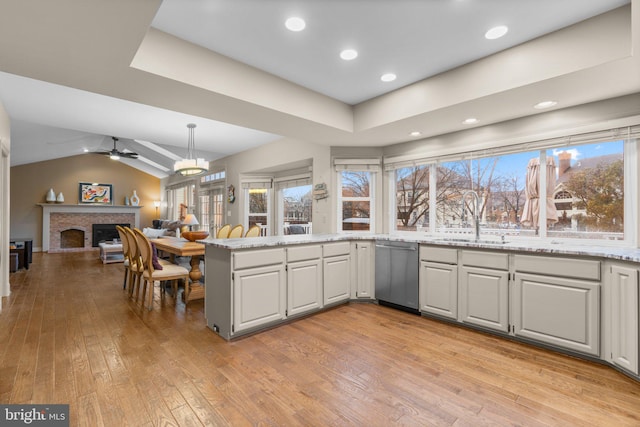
{"x":57,"y":218}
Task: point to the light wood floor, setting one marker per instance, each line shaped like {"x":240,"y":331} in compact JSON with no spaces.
{"x":69,"y":334}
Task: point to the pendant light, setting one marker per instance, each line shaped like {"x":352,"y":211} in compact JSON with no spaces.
{"x":191,"y":165}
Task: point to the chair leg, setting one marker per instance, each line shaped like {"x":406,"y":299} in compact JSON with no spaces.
{"x":151,"y":286}
{"x":124,"y":281}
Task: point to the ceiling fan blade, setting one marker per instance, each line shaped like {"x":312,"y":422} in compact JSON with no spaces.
{"x":129,"y":155}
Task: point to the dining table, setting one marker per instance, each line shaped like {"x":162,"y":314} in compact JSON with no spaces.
{"x":181,"y":247}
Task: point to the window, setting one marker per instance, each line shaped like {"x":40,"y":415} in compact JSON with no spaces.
{"x":412,"y":198}
{"x":257,"y":203}
{"x":295,"y":204}
{"x":591,"y":178}
{"x":583,"y":183}
{"x":355,"y":200}
{"x":178,"y":201}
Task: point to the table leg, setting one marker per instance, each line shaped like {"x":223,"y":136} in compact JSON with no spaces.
{"x":195,"y":289}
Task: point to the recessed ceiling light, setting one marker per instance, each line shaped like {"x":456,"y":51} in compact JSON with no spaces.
{"x":544,"y":104}
{"x":496,"y":32}
{"x":470,"y":121}
{"x":415,"y":133}
{"x":295,"y":24}
{"x":388,"y":77}
{"x":86,"y":150}
{"x":349,"y":54}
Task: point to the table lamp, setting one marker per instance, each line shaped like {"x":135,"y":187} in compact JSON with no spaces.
{"x":190,"y":220}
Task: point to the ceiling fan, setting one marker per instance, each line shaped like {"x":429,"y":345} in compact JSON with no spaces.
{"x":115,"y":154}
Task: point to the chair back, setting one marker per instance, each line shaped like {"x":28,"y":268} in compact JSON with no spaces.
{"x":144,"y":246}
{"x":236,"y":231}
{"x":124,"y":241}
{"x":253,"y":231}
{"x":223,"y":233}
{"x":134,"y":252}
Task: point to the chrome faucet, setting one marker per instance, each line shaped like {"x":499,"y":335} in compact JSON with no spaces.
{"x":476,"y":210}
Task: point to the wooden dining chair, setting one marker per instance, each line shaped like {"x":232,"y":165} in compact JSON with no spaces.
{"x":236,"y":231}
{"x":151,"y":274}
{"x":253,"y":231}
{"x":135,"y":265}
{"x":125,"y":253}
{"x":223,"y":233}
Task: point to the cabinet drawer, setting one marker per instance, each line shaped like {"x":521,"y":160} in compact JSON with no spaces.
{"x":302,"y":253}
{"x":435,"y":254}
{"x":552,"y":266}
{"x":335,"y":249}
{"x":258,"y":258}
{"x":497,"y":261}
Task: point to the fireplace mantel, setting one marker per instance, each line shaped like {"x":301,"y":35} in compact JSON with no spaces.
{"x":49,"y":208}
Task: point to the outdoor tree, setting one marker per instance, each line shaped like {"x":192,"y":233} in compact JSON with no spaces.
{"x":511,"y":195}
{"x":412,"y":195}
{"x":600,"y":193}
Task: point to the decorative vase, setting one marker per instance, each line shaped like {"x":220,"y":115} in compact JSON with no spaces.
{"x":135,"y":200}
{"x":51,"y":196}
{"x":60,"y":198}
{"x":126,"y":201}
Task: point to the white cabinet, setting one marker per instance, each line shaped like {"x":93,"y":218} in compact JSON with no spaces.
{"x":304,"y":279}
{"x":259,"y":293}
{"x":561,"y":311}
{"x":438,"y":281}
{"x":623,"y":316}
{"x":364,"y":284}
{"x":484,"y":289}
{"x":336,"y":270}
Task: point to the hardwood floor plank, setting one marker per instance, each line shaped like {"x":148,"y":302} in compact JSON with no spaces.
{"x":71,"y":335}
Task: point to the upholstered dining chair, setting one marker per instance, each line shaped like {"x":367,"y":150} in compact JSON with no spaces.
{"x":151,"y":273}
{"x":223,"y":233}
{"x":236,"y":231}
{"x":253,"y":231}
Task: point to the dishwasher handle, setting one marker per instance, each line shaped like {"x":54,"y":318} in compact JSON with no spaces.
{"x":402,"y":248}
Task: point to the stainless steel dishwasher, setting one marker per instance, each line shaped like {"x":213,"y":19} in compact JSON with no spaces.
{"x":397,"y":269}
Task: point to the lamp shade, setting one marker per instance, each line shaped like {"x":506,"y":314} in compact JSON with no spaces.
{"x":190,"y":219}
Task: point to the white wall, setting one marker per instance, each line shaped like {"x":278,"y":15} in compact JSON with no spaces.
{"x":5,"y":148}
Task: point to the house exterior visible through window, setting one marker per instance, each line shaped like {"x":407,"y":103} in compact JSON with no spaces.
{"x":257,"y":199}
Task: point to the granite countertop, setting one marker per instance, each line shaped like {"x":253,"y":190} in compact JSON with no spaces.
{"x":537,"y":246}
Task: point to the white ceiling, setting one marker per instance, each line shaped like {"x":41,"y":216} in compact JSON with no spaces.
{"x":70,"y":79}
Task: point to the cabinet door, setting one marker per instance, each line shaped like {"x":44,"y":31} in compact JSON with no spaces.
{"x":624,"y":321}
{"x":439,"y":289}
{"x":337,"y":278}
{"x":364,"y":274}
{"x":558,"y":311}
{"x":304,"y":286}
{"x":484,"y":298}
{"x":259,"y":296}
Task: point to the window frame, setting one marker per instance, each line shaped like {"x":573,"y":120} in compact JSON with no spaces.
{"x":631,"y":163}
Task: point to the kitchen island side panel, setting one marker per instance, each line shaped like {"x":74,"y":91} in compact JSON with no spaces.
{"x":218,"y":290}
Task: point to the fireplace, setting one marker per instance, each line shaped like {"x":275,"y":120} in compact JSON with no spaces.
{"x":103,"y":232}
{"x":58,"y":217}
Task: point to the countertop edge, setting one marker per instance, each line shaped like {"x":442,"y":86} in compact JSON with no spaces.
{"x":534,"y":247}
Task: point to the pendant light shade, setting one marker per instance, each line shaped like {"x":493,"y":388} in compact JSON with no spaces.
{"x":191,"y":165}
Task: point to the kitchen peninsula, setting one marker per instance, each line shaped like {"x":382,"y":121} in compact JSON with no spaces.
{"x":577,"y":299}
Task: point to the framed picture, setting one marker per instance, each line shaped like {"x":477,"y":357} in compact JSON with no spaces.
{"x":97,"y":194}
